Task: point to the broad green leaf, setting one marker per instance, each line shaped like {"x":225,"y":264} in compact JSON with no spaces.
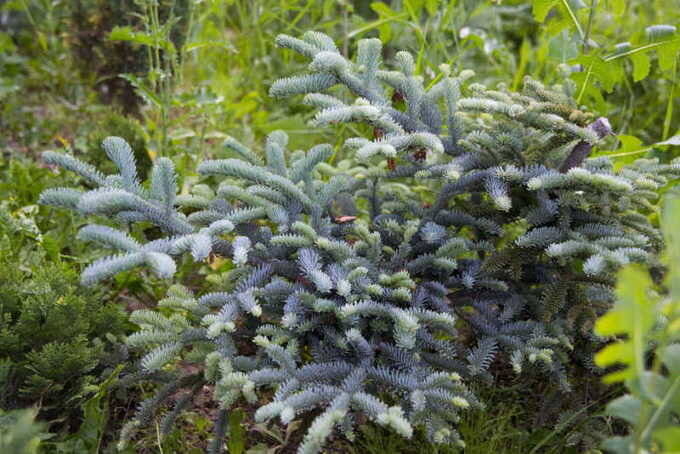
{"x":596,"y":74}
{"x":559,"y":25}
{"x":541,"y":8}
{"x":641,"y":66}
{"x":588,"y":90}
{"x":157,"y":40}
{"x":6,"y":43}
{"x":629,"y":143}
{"x":13,"y":5}
{"x":383,"y":9}
{"x":616,"y":353}
{"x":386,"y":14}
{"x":669,"y":437}
{"x":128,"y":34}
{"x":432,"y":6}
{"x":664,"y":395}
{"x":671,"y":358}
{"x":568,"y":11}
{"x":597,"y":68}
{"x":619,"y":445}
{"x":385,"y":32}
{"x":674,"y":328}
{"x":625,"y":407}
{"x":668,"y":54}
{"x":663,"y":39}
{"x":475,"y":39}
{"x":632,"y":148}
{"x":563,"y":47}
{"x":633,"y":316}
{"x":42,"y":40}
{"x":651,"y":385}
{"x":630,"y":314}
{"x":643,"y":48}
{"x":618,"y":7}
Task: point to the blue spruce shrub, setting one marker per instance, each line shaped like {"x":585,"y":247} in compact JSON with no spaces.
{"x":481,"y":212}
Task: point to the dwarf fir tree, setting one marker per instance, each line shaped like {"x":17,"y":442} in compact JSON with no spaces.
{"x":352,"y":283}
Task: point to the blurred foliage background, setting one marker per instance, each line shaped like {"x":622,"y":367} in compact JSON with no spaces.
{"x":177,"y":77}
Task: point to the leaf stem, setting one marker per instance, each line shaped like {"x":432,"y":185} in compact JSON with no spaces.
{"x":591,"y":17}
{"x":662,"y":407}
{"x":574,"y":19}
{"x":644,"y":48}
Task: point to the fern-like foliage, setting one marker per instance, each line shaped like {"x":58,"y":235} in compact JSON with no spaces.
{"x":52,"y":331}
{"x":512,"y":233}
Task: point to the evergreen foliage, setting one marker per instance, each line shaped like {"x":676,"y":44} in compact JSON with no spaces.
{"x":356,"y":293}
{"x":52,"y":331}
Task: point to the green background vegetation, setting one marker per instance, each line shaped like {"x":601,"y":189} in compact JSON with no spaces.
{"x":177,"y":77}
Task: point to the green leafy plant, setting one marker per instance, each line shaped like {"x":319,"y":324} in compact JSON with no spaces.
{"x":99,"y":60}
{"x":158,"y":87}
{"x":90,"y":435}
{"x":646,"y":353}
{"x":605,"y":58}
